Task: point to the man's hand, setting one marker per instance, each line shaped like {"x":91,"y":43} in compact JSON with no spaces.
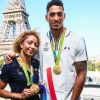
{"x":9,"y":56}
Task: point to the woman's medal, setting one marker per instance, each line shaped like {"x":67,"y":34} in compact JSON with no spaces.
{"x":34,"y":89}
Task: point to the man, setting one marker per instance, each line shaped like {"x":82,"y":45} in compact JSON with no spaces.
{"x":69,"y":81}
{"x":63,"y":57}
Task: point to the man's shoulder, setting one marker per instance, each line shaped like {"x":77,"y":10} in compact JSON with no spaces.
{"x":73,"y":39}
{"x":44,"y":38}
{"x":73,"y":36}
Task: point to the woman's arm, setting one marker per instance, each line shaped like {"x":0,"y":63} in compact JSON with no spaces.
{"x":7,"y":94}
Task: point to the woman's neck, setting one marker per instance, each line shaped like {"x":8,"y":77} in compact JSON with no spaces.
{"x":26,"y":59}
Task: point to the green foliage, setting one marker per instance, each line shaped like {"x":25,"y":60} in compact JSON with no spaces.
{"x":1,"y":63}
{"x":90,"y":66}
{"x":98,"y":66}
{"x":93,"y":66}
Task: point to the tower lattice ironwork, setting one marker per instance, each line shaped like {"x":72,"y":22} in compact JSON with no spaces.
{"x":15,"y":21}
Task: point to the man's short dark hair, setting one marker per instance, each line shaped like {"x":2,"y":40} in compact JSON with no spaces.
{"x":54,"y":2}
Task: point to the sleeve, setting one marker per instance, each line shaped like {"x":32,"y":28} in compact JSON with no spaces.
{"x":5,"y":74}
{"x":81,"y":51}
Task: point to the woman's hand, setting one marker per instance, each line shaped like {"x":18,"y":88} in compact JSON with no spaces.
{"x":26,"y":93}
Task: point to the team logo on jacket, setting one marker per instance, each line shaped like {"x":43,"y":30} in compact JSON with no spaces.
{"x":19,"y":72}
{"x":46,"y":46}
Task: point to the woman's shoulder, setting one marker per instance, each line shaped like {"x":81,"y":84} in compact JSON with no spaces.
{"x":10,"y":65}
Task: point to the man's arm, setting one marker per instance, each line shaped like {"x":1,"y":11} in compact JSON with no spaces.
{"x":9,"y":57}
{"x":81,"y":70}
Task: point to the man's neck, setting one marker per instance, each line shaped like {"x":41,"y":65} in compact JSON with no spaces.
{"x":57,"y":33}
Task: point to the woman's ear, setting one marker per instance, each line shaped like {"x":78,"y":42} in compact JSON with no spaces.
{"x":21,"y":45}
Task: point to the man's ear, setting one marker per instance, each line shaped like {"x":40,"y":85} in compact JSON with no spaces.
{"x":64,"y":15}
{"x":46,"y":17}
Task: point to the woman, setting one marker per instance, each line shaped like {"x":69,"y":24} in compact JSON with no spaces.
{"x":23,"y":71}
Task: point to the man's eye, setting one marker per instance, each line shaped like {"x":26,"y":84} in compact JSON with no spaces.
{"x":60,"y":14}
{"x":52,"y":14}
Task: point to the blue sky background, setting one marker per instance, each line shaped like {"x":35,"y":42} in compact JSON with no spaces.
{"x":82,"y":17}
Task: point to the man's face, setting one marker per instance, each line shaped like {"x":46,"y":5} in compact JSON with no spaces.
{"x":55,"y":17}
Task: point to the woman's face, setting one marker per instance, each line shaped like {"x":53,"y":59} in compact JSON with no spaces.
{"x":29,"y":46}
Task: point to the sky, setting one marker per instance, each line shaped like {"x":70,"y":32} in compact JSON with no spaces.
{"x":82,"y":17}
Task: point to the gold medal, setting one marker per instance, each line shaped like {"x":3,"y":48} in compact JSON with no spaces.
{"x":57,"y":70}
{"x":34,"y":88}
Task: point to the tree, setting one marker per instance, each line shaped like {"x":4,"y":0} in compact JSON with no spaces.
{"x":1,"y":63}
{"x":90,"y":66}
{"x":98,"y":66}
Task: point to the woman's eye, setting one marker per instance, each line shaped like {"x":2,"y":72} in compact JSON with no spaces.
{"x":30,"y":42}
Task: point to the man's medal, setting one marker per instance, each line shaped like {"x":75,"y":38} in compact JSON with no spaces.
{"x":57,"y":68}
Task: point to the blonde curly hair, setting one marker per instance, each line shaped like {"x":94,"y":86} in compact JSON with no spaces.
{"x":21,"y":37}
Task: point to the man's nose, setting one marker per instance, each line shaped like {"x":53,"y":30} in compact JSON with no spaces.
{"x":56,"y":17}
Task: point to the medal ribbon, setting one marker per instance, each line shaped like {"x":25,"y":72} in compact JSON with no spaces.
{"x":50,"y":84}
{"x":57,"y":60}
{"x":57,"y":57}
{"x":28,"y":78}
{"x":44,"y":97}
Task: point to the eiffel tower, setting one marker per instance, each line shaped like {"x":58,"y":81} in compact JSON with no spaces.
{"x":14,"y":22}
